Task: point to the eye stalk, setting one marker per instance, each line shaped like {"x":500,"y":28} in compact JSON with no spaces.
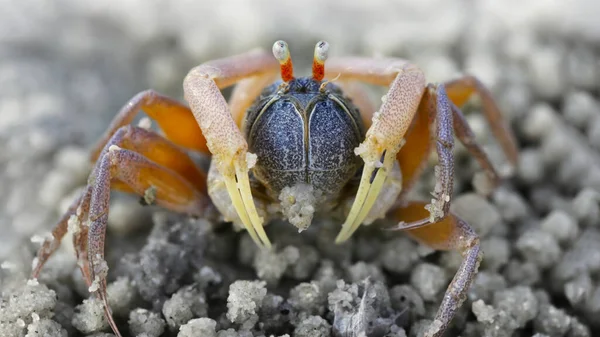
{"x":321,"y":54}
{"x":282,"y":54}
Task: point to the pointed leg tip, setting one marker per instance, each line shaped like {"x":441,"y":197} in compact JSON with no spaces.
{"x":267,"y":245}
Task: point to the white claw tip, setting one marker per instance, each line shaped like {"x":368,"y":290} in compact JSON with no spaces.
{"x":113,"y":148}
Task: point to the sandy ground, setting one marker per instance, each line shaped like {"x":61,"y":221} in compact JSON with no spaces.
{"x":66,"y":67}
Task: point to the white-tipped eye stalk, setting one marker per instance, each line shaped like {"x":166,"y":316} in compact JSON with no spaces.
{"x":282,"y":54}
{"x":321,"y":54}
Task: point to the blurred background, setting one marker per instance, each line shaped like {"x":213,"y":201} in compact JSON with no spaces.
{"x":67,"y":66}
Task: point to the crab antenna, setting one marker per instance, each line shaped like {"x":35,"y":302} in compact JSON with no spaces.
{"x":282,"y":54}
{"x":321,"y":54}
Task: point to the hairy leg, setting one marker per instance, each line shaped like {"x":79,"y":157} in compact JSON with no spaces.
{"x":467,"y":138}
{"x":50,"y":245}
{"x":461,"y":90}
{"x":173,"y":117}
{"x":134,"y":160}
{"x":358,"y":94}
{"x":449,"y":233}
{"x":421,"y":137}
{"x":438,"y":105}
{"x":245,"y":92}
{"x":158,"y":184}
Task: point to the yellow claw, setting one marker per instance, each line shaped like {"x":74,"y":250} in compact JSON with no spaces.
{"x":238,"y":204}
{"x":238,"y":187}
{"x":365,"y":196}
{"x":244,"y":188}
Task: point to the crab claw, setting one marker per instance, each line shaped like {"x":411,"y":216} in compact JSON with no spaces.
{"x":385,"y":137}
{"x":370,"y":186}
{"x":238,"y":187}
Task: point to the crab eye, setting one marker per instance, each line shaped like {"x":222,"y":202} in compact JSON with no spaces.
{"x":282,"y":54}
{"x":321,"y":54}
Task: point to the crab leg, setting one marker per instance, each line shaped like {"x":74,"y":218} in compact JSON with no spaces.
{"x":360,"y":99}
{"x":224,"y":140}
{"x":80,"y":234}
{"x":384,"y":137}
{"x":133,"y":160}
{"x":244,"y":94}
{"x":154,"y":168}
{"x":174,"y":118}
{"x":437,"y":101}
{"x":466,"y":136}
{"x":448,"y":233}
{"x":158,"y":184}
{"x":176,"y":121}
{"x":50,"y":245}
{"x":460,"y":90}
{"x":419,"y":142}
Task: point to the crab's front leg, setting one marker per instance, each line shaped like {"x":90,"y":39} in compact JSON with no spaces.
{"x":224,"y":140}
{"x":389,"y":125}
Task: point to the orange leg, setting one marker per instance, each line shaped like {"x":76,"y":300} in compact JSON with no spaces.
{"x":413,"y":156}
{"x":437,"y":107}
{"x":433,"y":224}
{"x":147,"y":143}
{"x":173,"y":117}
{"x":134,"y":160}
{"x":420,"y":139}
{"x":358,"y":94}
{"x":448,"y":233}
{"x":460,"y":90}
{"x":246,"y":91}
{"x":159,"y":184}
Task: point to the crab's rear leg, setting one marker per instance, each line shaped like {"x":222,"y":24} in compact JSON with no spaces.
{"x":449,"y":233}
{"x":421,"y":138}
{"x":51,"y":244}
{"x":229,"y":148}
{"x":176,"y":121}
{"x":461,"y":90}
{"x":134,"y":158}
{"x":360,"y":98}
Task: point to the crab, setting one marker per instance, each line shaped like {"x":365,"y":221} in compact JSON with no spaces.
{"x":291,"y":148}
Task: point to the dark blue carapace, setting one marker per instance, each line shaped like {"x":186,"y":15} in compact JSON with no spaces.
{"x":304,"y":132}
